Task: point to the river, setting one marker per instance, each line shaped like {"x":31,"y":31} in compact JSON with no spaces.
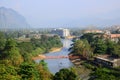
{"x":54,"y":65}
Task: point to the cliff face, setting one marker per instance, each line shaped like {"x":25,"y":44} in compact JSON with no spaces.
{"x":10,"y":19}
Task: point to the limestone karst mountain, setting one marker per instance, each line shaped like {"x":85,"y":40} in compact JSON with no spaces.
{"x":10,"y":19}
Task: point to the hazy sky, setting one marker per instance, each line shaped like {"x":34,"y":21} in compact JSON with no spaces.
{"x":66,"y":13}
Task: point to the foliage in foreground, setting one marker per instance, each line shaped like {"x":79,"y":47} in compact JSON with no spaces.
{"x":65,"y":74}
{"x":105,"y":74}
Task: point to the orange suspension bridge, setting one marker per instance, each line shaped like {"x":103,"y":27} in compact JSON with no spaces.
{"x":54,"y":57}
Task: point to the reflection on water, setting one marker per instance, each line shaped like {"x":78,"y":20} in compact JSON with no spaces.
{"x":55,"y":65}
{"x":66,"y":43}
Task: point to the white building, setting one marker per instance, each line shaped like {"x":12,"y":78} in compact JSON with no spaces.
{"x":93,"y":31}
{"x":61,"y":32}
{"x":66,"y":32}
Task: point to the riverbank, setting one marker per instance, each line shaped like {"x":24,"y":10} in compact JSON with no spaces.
{"x":42,"y":56}
{"x":82,"y":71}
{"x":55,"y":49}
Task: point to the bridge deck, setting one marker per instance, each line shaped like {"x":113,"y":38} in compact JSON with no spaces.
{"x":54,"y":57}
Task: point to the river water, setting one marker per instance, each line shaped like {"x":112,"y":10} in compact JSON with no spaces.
{"x":54,"y":65}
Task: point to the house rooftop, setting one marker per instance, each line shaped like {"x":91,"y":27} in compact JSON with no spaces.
{"x":107,"y":58}
{"x":115,"y":35}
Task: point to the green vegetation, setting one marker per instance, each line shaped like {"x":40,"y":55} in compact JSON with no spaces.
{"x":39,"y":46}
{"x":82,"y":47}
{"x":2,"y":41}
{"x":11,"y":54}
{"x":16,"y":58}
{"x":94,"y":44}
{"x":105,"y":74}
{"x":65,"y":74}
{"x":46,"y":43}
{"x":100,"y":47}
{"x":32,"y":71}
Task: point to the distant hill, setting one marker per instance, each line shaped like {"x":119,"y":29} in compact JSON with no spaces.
{"x":10,"y":19}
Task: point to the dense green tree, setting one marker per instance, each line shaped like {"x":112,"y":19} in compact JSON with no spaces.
{"x":46,"y":42}
{"x":44,"y":74}
{"x":89,"y":36}
{"x":42,"y":62}
{"x":103,"y":74}
{"x":110,"y":47}
{"x":119,"y":41}
{"x":2,"y":41}
{"x":26,"y":49}
{"x":8,"y":73}
{"x":11,"y":53}
{"x":65,"y":74}
{"x":28,"y":71}
{"x":32,"y":71}
{"x":82,"y":47}
{"x":100,"y":47}
{"x":116,"y":50}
